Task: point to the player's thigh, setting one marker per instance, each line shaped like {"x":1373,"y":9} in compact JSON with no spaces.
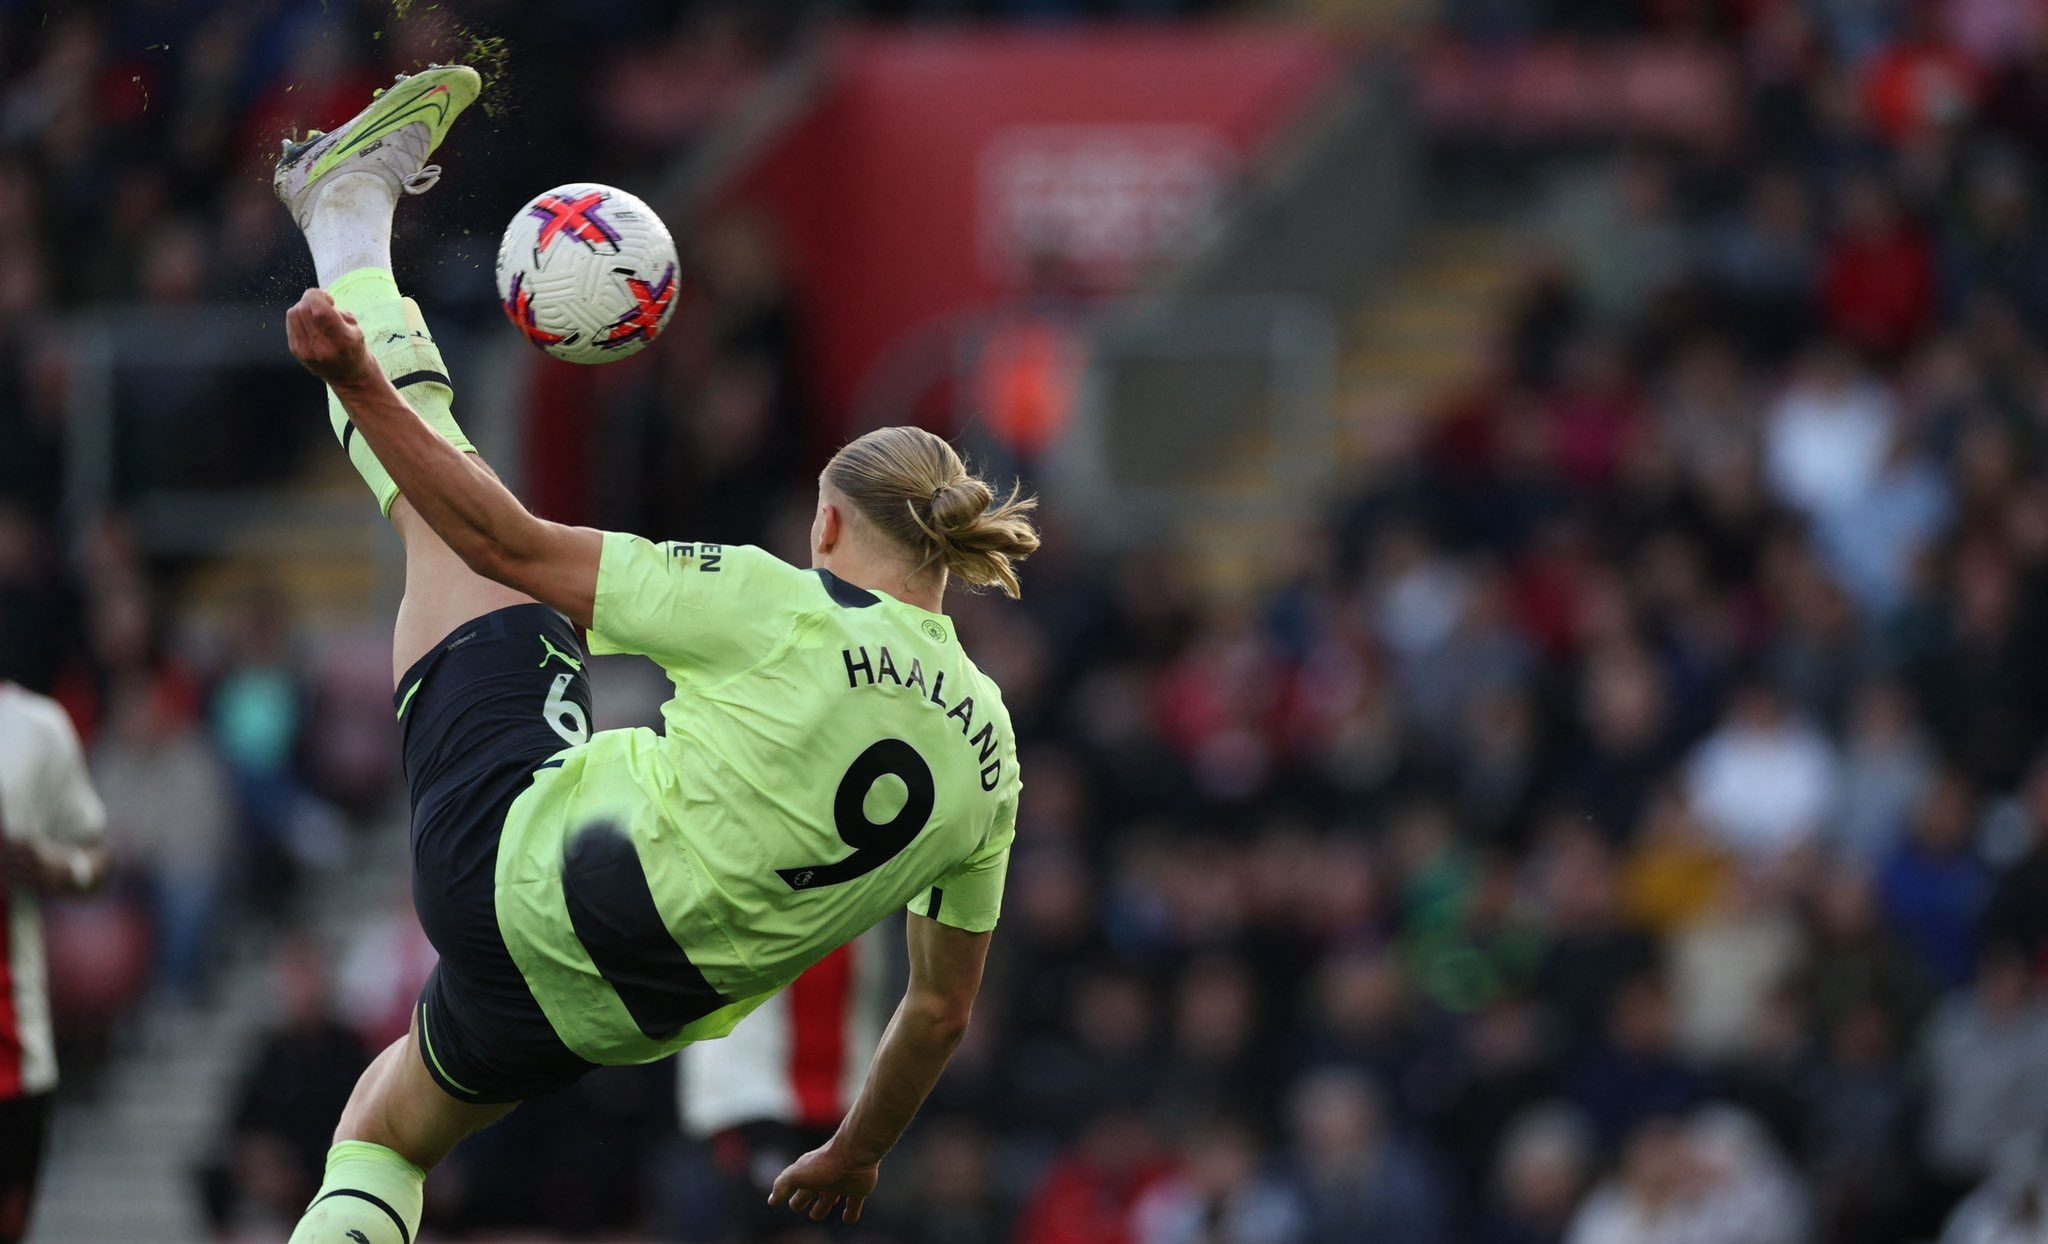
{"x":396,"y":1104}
{"x":441,"y":591}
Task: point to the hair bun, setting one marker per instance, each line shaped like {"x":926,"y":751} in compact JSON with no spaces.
{"x":921,"y":496}
{"x":957,"y":506}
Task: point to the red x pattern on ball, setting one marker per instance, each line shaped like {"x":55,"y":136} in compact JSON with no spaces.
{"x":577,"y":217}
{"x":519,"y":307}
{"x":643,"y":322}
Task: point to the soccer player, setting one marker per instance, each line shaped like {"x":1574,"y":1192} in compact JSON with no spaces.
{"x":830,"y":754}
{"x":51,"y":825}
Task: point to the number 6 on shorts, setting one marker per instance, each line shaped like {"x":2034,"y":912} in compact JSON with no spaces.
{"x":565,"y":717}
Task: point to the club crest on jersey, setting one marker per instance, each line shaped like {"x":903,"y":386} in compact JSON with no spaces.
{"x":577,"y":218}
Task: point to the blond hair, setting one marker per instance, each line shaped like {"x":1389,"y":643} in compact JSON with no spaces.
{"x":916,"y":490}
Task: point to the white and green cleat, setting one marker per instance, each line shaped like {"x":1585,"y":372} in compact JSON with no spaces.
{"x":391,"y":139}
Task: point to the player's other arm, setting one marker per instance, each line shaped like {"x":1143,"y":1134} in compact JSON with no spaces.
{"x":454,"y":493}
{"x":945,"y":976}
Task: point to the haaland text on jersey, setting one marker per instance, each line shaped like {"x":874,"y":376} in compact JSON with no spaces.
{"x":880,"y":669}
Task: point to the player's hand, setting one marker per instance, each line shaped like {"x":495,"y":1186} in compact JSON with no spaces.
{"x":327,"y":340}
{"x":820,"y":1179}
{"x":27,"y":865}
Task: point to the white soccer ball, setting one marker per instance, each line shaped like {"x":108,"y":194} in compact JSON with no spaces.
{"x":587,"y":273}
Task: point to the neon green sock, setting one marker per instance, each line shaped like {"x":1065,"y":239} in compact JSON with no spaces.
{"x":370,"y":1196}
{"x":400,"y":343}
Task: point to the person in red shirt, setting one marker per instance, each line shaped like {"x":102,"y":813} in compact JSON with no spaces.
{"x":1921,"y":83}
{"x":1877,"y":284}
{"x":1089,"y":1193}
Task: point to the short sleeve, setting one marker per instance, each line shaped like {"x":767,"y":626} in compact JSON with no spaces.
{"x":73,"y":814}
{"x":695,"y":608}
{"x":970,"y":898}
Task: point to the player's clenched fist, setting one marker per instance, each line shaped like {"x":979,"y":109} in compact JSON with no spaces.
{"x":326,"y":339}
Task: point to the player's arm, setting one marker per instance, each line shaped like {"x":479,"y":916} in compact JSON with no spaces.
{"x":945,"y":976}
{"x":454,"y":493}
{"x":64,"y":851}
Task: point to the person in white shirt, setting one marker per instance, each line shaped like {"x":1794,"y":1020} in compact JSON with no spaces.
{"x":1764,"y":782}
{"x":1829,"y":434}
{"x":51,"y":825}
{"x":780,"y":1084}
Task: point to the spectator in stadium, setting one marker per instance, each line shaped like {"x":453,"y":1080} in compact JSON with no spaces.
{"x":1857,"y":958}
{"x":1764,"y":782}
{"x":1727,"y":967}
{"x":1219,"y":1065}
{"x":170,"y":818}
{"x":1625,"y":711}
{"x":958,"y":1199}
{"x":1934,"y":886}
{"x":1626,"y":242}
{"x":1220,"y":1195}
{"x":2011,"y":1207}
{"x":1857,"y":1136}
{"x":1353,"y":1177}
{"x":2017,"y":912}
{"x":382,"y":969}
{"x":1887,"y":767}
{"x":257,"y":711}
{"x":1089,"y":1193}
{"x":1829,"y":432}
{"x":1592,"y":950}
{"x":1877,"y":282}
{"x":1544,"y":1164}
{"x":1649,"y":1199}
{"x":1987,"y":1069}
{"x":1636,"y":1075}
{"x":1101,"y":1057}
{"x":1746,"y":1191}
{"x":1764,"y":263}
{"x":1873,"y":544}
{"x":301,"y":1074}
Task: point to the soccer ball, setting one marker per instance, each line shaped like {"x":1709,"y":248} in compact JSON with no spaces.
{"x":587,"y":273}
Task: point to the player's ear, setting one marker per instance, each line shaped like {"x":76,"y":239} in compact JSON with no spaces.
{"x":826,"y":529}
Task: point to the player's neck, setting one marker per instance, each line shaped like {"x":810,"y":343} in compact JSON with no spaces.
{"x":926,"y":591}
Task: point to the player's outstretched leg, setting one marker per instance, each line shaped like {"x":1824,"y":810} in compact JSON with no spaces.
{"x":342,"y":188}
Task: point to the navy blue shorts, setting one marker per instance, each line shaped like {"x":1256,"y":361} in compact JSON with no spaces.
{"x":478,"y":716}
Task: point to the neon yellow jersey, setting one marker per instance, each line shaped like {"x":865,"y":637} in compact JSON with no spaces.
{"x":830,"y":755}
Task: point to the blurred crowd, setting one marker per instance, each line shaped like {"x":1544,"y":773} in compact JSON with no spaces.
{"x":1630,"y":821}
{"x":1627,"y":823}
